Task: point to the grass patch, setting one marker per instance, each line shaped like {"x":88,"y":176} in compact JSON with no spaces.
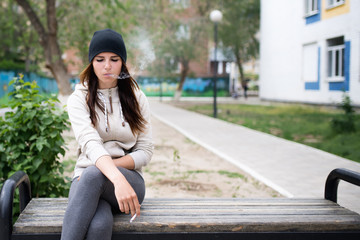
{"x":310,"y":125}
{"x":198,"y":171}
{"x":157,"y":174}
{"x":231,"y":174}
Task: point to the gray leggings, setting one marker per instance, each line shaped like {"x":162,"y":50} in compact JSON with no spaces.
{"x":91,"y":202}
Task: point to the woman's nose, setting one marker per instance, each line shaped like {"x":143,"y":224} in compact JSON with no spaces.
{"x":107,"y":64}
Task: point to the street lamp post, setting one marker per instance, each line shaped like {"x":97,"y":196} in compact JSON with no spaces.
{"x":215,"y":16}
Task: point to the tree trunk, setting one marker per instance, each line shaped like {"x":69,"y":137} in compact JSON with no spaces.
{"x":48,"y":40}
{"x":240,"y":66}
{"x":183,"y":74}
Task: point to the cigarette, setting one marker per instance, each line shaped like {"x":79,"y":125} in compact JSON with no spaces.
{"x":133,"y":218}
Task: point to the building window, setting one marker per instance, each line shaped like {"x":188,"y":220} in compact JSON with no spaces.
{"x":334,"y":3}
{"x":221,"y":67}
{"x":311,"y":7}
{"x":335,"y":59}
{"x":228,"y":67}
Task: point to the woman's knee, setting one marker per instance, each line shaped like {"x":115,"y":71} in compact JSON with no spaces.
{"x":92,"y":175}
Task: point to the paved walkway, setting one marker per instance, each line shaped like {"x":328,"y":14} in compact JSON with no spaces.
{"x":293,"y":169}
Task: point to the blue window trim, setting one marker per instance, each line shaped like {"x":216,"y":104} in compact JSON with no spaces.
{"x":316,"y":17}
{"x":315,"y":85}
{"x":345,"y":85}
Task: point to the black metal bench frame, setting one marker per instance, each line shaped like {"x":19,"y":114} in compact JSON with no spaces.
{"x":21,"y":180}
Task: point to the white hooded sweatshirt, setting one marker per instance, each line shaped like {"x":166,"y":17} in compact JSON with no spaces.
{"x":118,"y":140}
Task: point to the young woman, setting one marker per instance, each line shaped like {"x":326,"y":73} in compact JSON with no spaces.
{"x":110,"y":118}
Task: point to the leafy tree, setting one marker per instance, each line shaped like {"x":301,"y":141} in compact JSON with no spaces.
{"x":177,"y":38}
{"x":17,"y":39}
{"x":81,"y":18}
{"x":48,"y":40}
{"x":238,"y":29}
{"x":71,"y":23}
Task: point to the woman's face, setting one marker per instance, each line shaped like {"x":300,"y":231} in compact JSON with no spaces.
{"x":107,"y":67}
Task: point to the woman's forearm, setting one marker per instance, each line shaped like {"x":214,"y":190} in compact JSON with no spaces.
{"x":126,"y":162}
{"x":108,"y":168}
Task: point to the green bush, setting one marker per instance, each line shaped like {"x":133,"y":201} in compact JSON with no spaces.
{"x":345,"y":123}
{"x":31,"y":140}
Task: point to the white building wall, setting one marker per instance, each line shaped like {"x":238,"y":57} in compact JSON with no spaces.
{"x":279,"y":50}
{"x":284,"y":32}
{"x":355,"y":57}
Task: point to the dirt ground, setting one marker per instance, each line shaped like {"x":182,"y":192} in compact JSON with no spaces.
{"x":183,"y":169}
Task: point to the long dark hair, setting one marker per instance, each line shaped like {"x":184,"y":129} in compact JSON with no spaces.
{"x":126,"y":90}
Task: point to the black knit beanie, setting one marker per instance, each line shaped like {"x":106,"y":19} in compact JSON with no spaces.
{"x":107,"y":40}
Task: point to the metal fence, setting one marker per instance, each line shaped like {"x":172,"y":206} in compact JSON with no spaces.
{"x":46,"y":85}
{"x":151,"y":86}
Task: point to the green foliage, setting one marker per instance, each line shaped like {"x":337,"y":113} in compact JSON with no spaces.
{"x":4,"y":100}
{"x":231,"y":174}
{"x":77,"y":28}
{"x":31,"y":140}
{"x":17,"y":66}
{"x":244,"y":16}
{"x":238,"y":29}
{"x":176,"y":40}
{"x":11,"y":65}
{"x":345,"y":122}
{"x":20,"y":49}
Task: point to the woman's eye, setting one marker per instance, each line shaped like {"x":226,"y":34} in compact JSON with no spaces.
{"x":115,"y":60}
{"x":99,"y":60}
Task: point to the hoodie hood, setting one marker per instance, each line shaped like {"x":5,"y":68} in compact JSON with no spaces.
{"x":81,"y":87}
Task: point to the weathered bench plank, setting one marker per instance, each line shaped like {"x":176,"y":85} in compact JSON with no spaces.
{"x":200,"y":219}
{"x":206,"y":215}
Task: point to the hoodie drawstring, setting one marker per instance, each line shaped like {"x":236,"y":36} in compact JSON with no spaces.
{"x":121,"y":114}
{"x":102,"y":98}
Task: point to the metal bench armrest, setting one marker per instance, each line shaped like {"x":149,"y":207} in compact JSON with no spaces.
{"x":333,"y":179}
{"x":20,"y":180}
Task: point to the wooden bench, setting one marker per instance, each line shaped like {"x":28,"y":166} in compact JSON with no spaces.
{"x":196,"y":218}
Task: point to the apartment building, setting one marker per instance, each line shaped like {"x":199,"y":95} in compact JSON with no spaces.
{"x":310,"y":51}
